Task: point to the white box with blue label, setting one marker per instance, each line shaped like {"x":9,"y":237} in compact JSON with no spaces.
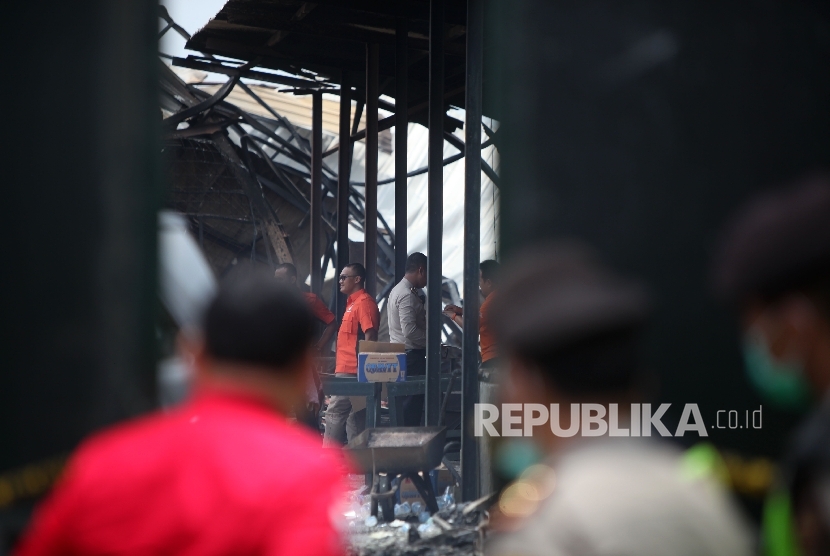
{"x":381,"y":362}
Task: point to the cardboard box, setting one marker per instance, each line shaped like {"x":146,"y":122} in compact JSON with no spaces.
{"x":408,"y":493}
{"x":381,"y":362}
{"x":441,"y":479}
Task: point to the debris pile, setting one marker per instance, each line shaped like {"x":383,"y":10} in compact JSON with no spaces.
{"x":457,"y":529}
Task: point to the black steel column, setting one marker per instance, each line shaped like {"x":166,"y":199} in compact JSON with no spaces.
{"x":472,"y":249}
{"x":370,"y":227}
{"x":55,"y":391}
{"x":316,"y":236}
{"x":401,"y":126}
{"x":344,"y":168}
{"x":435,"y":199}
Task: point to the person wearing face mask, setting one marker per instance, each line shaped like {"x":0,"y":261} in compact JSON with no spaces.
{"x":774,"y":267}
{"x":570,"y":330}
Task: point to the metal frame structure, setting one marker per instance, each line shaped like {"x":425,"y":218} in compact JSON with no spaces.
{"x":427,"y":56}
{"x":277,"y":170}
{"x":435,"y":194}
{"x":472,"y":245}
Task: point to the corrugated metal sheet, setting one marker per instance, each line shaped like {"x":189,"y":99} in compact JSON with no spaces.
{"x":298,"y":111}
{"x":297,"y":108}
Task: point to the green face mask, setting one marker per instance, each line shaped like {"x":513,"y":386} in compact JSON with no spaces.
{"x":781,"y":384}
{"x":514,"y":455}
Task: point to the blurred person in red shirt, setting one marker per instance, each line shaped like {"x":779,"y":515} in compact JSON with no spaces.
{"x":226,"y":473}
{"x":361,"y":318}
{"x":286,"y":273}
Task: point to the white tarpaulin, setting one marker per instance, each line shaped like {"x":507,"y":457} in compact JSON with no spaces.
{"x":417,"y":154}
{"x":417,"y":209}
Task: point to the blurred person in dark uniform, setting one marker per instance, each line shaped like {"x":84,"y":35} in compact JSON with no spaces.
{"x":225,"y":473}
{"x":361,"y":320}
{"x":487,"y":285}
{"x":286,"y":273}
{"x":407,"y":315}
{"x":570,"y":331}
{"x":774,"y":266}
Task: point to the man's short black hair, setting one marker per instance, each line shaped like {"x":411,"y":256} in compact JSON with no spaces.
{"x":288,"y":267}
{"x":489,"y":269}
{"x":779,"y":244}
{"x":415,"y":261}
{"x":256,"y":320}
{"x":574,"y":320}
{"x":359,"y":270}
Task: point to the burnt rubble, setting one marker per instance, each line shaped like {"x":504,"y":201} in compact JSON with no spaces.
{"x":458,"y":529}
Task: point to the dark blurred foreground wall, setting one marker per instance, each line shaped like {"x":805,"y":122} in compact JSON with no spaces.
{"x":80,"y":192}
{"x":640,"y":126}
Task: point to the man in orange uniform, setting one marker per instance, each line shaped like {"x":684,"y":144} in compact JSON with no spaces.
{"x":226,"y":473}
{"x":286,"y":273}
{"x":360,"y":321}
{"x":487,"y":284}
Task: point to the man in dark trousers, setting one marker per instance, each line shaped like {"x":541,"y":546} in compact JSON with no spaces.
{"x":407,"y":315}
{"x":226,"y":473}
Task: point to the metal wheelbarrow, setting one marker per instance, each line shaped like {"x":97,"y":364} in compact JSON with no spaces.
{"x":390,"y":452}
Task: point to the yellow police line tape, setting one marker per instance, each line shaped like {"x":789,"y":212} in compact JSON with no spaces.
{"x":30,"y":481}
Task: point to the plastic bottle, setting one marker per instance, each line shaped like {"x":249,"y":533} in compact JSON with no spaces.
{"x":429,"y":529}
{"x":448,"y":498}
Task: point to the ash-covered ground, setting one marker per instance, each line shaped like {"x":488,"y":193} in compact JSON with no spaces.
{"x":458,"y":529}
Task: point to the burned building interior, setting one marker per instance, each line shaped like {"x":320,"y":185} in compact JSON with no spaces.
{"x":638,"y":127}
